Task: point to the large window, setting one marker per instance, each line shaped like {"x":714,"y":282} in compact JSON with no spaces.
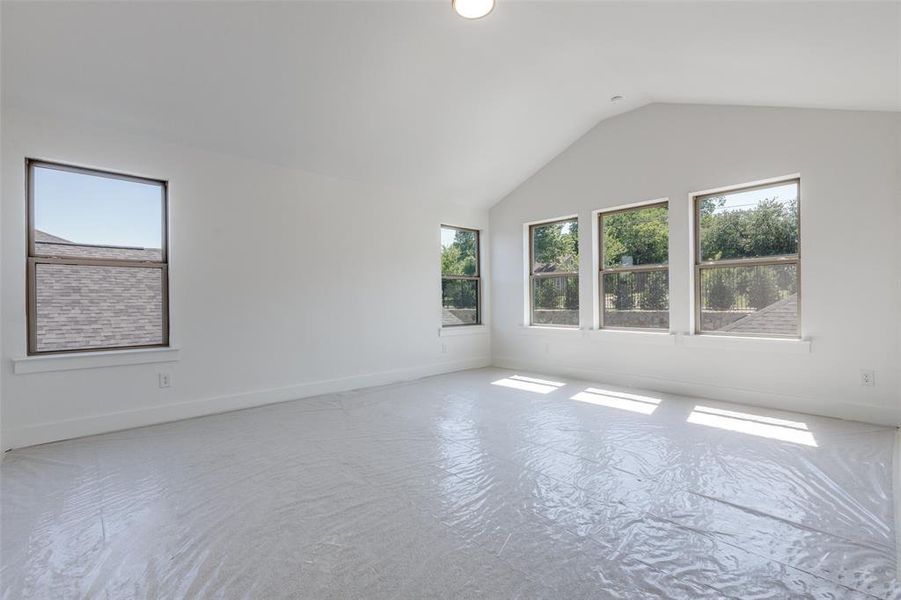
{"x":460,"y":277}
{"x":748,"y":261}
{"x":554,"y":273}
{"x":97,"y":260}
{"x":634,"y":277}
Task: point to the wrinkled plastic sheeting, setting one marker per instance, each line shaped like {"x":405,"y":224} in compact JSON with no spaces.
{"x":465,"y":485}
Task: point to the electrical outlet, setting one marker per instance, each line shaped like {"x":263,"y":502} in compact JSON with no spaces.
{"x":165,"y":380}
{"x":868,"y":378}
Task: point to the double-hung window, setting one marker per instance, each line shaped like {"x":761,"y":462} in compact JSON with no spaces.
{"x":747,"y":271}
{"x":634,"y":276}
{"x":554,"y":273}
{"x":97,"y":260}
{"x":460,"y":277}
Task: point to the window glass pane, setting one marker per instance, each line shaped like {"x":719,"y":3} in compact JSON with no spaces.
{"x":77,"y":214}
{"x":459,"y":251}
{"x":750,"y":223}
{"x":753,"y":299}
{"x":636,"y":237}
{"x":555,"y":300}
{"x":81,"y":307}
{"x":636,"y":299}
{"x":555,"y":247}
{"x":460,"y":301}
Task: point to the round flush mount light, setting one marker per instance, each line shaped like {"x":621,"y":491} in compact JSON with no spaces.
{"x":473,"y":9}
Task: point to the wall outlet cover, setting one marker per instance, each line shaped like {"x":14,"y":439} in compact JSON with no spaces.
{"x":165,"y":380}
{"x":867,"y":378}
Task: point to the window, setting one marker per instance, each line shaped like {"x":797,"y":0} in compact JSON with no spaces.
{"x":554,"y":273}
{"x":460,"y":277}
{"x":634,"y":277}
{"x":97,"y":260}
{"x":748,"y":261}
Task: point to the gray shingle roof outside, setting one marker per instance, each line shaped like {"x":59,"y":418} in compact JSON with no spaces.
{"x":82,"y":307}
{"x":51,"y":245}
{"x":76,"y":250}
{"x":43,"y":236}
{"x":458,"y":316}
{"x":780,"y":318}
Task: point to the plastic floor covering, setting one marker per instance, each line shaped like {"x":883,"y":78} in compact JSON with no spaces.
{"x":479,"y":484}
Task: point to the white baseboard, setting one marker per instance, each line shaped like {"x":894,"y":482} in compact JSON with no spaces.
{"x":53,"y":431}
{"x":867,"y":413}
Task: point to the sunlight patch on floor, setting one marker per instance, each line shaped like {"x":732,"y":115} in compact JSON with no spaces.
{"x":621,"y":400}
{"x":529,"y":384}
{"x":769,"y":427}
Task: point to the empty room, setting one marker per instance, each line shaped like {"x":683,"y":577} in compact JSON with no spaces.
{"x":440,"y":299}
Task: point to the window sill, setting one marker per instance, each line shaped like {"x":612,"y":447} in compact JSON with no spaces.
{"x":93,"y":360}
{"x":657,"y":338}
{"x":545,"y":330}
{"x":751,"y":344}
{"x":463,"y":330}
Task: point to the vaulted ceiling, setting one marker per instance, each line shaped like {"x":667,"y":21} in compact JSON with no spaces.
{"x":408,"y":94}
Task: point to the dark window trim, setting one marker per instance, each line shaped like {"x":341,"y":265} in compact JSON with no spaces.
{"x":701,"y":265}
{"x":633,"y":269}
{"x":533,"y":275}
{"x":477,"y":277}
{"x":33,"y":259}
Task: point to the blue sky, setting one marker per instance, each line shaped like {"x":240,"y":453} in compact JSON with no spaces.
{"x":447,"y":236}
{"x":750,"y":199}
{"x":89,"y":209}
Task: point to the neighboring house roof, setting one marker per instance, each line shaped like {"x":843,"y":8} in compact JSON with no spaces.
{"x":449,"y":318}
{"x":459,"y":316}
{"x":43,"y":236}
{"x":550,"y":269}
{"x":81,"y":306}
{"x":778,"y":318}
{"x":51,"y":245}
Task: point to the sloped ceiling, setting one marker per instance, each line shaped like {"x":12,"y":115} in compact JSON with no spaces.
{"x":407,"y":94}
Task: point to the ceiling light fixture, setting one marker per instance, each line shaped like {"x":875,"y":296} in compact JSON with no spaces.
{"x":473,"y":9}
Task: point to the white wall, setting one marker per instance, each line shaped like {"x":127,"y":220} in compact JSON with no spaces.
{"x":850,"y":202}
{"x":286,"y":284}
{"x":283,"y":284}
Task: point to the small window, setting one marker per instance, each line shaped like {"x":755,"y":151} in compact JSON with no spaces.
{"x":97,"y":260}
{"x":634,"y":276}
{"x":554,"y":273}
{"x":460,"y":277}
{"x":748,"y":259}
